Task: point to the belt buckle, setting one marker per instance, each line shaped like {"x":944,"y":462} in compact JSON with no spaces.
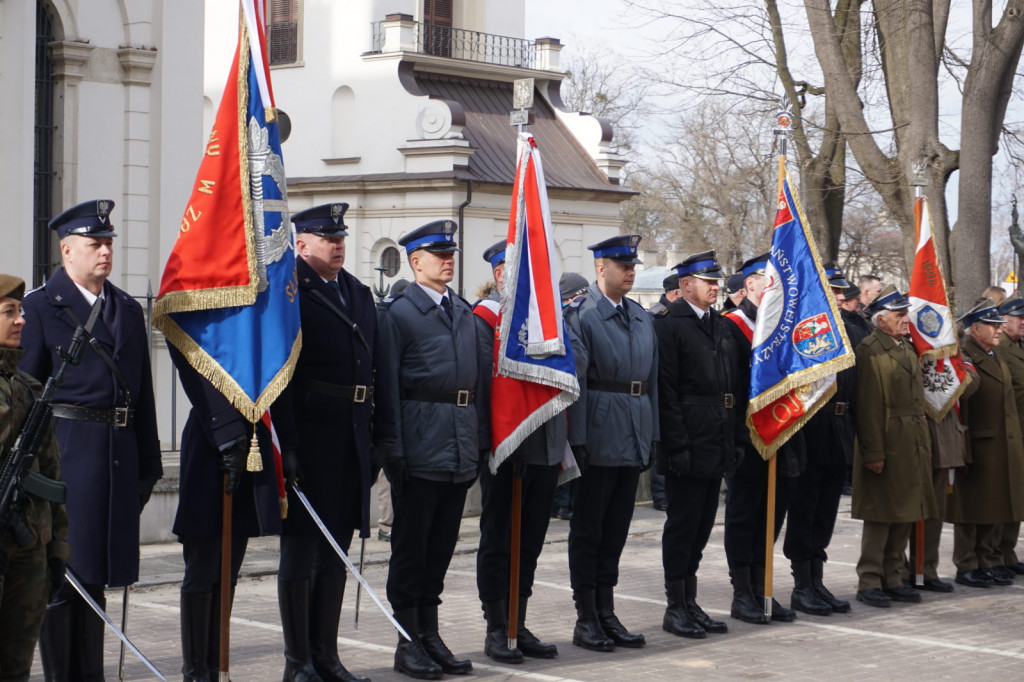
{"x":359,"y":394}
{"x":121,"y":416}
{"x":636,"y":389}
{"x":728,"y":400}
{"x":461,"y":398}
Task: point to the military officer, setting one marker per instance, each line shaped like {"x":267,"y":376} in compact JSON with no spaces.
{"x":29,"y":572}
{"x":330,"y":403}
{"x":1012,"y":353}
{"x":992,"y":492}
{"x":672,"y":293}
{"x":747,"y":487}
{"x":437,"y":367}
{"x":105,"y":421}
{"x":814,"y":495}
{"x":892,"y":464}
{"x":539,"y":458}
{"x":702,"y":389}
{"x":613,"y":429}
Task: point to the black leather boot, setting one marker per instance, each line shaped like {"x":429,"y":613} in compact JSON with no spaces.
{"x":817,"y":571}
{"x":779,"y":612}
{"x":677,"y":618}
{"x":605,"y":598}
{"x":410,"y":657}
{"x":326,"y":595}
{"x":293,"y":600}
{"x":528,"y":642}
{"x":805,"y":598}
{"x":195,"y":635}
{"x":697,"y":613}
{"x":496,"y":640}
{"x":588,"y":632}
{"x":87,"y":637}
{"x":745,"y":606}
{"x":55,"y":641}
{"x":213,"y":647}
{"x":435,"y":646}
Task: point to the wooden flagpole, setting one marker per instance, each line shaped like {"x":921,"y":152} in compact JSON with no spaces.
{"x":225,"y":581}
{"x":518,"y":469}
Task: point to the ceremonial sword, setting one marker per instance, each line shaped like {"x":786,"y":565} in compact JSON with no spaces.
{"x":110,"y":624}
{"x":344,"y":557}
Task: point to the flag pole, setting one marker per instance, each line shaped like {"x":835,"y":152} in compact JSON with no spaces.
{"x":784,"y":120}
{"x":225,"y":581}
{"x":917,"y":179}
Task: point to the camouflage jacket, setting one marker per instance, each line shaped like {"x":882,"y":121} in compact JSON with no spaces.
{"x":47,"y":521}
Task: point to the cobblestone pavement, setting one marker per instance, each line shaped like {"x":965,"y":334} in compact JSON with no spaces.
{"x":970,"y":633}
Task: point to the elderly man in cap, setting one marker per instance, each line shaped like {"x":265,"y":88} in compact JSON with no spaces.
{"x":870,"y":288}
{"x":892,"y":464}
{"x":33,"y":569}
{"x":330,"y":407}
{"x":747,"y":496}
{"x":435,"y":364}
{"x":613,"y":430}
{"x":537,"y":462}
{"x":1011,"y":351}
{"x":814,"y":495}
{"x":702,"y":389}
{"x":990,"y":491}
{"x":105,"y":421}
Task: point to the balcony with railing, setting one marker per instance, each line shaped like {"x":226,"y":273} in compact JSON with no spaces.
{"x":399,"y":33}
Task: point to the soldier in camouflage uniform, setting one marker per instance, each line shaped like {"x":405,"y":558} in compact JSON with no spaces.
{"x":28,"y":574}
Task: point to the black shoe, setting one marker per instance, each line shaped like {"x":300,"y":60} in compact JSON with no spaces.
{"x":697,"y":613}
{"x":817,"y":573}
{"x":780,"y":614}
{"x":678,"y":622}
{"x":605,"y":600}
{"x":975,"y":578}
{"x":903,"y":593}
{"x":1002,"y":572}
{"x":660,"y":505}
{"x":935,"y":585}
{"x":443,"y":656}
{"x":874,"y":597}
{"x":996,"y":576}
{"x":327,"y":591}
{"x":745,"y":606}
{"x":412,"y":660}
{"x":496,"y":641}
{"x":1017,"y":568}
{"x":383,"y":535}
{"x":564,"y":513}
{"x":805,"y":598}
{"x":529,"y":643}
{"x":588,"y":632}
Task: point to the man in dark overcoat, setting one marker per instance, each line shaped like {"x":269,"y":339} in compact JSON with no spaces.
{"x":702,"y":390}
{"x":990,"y":492}
{"x":1011,"y":350}
{"x":330,"y":407}
{"x":105,"y":421}
{"x":436,"y":366}
{"x":892,"y":486}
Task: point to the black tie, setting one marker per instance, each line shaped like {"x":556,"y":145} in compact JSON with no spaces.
{"x":107,"y":311}
{"x":336,"y":290}
{"x":446,"y":305}
{"x":622,"y":312}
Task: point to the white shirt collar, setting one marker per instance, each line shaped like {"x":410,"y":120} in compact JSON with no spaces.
{"x":90,"y":297}
{"x":700,"y":312}
{"x":435,"y":295}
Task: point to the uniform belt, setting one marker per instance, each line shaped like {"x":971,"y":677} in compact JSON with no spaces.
{"x":727,"y":400}
{"x":905,"y":412}
{"x":115,"y":416}
{"x":840,"y":408}
{"x":633,"y":388}
{"x":357,"y":394}
{"x":459,"y":398}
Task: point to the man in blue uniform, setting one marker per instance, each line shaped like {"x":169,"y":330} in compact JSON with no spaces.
{"x":105,"y":421}
{"x":330,"y":404}
{"x":703,"y":381}
{"x":613,"y":429}
{"x":539,"y":457}
{"x":435,"y":368}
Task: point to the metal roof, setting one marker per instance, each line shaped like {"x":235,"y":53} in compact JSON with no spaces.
{"x":487,"y":105}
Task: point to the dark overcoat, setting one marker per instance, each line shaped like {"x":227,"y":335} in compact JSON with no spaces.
{"x":212,"y":424}
{"x":993,"y":491}
{"x":102,"y":464}
{"x":423,"y":350}
{"x":891,"y":427}
{"x":334,"y":434}
{"x":700,"y":363}
{"x":616,"y":428}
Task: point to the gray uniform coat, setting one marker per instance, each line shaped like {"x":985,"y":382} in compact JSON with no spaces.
{"x":422,"y":350}
{"x":616,"y":428}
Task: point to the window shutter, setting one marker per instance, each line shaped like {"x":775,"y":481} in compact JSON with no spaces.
{"x":283,"y":32}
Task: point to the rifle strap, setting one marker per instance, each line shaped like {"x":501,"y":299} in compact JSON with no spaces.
{"x":344,"y":318}
{"x":100,"y":350}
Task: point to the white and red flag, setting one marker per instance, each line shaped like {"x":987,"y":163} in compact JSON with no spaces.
{"x":931,"y":323}
{"x":534,"y":370}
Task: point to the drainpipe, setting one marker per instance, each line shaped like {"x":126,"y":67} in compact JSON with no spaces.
{"x":462,"y":234}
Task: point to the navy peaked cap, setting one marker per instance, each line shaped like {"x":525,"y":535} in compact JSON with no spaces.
{"x":620,"y":247}
{"x":702,"y":265}
{"x":89,"y":219}
{"x":325,"y":220}
{"x":495,"y":253}
{"x":437,"y":236}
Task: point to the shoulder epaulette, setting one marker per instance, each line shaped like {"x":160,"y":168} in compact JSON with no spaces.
{"x":661,"y":313}
{"x":387,"y":301}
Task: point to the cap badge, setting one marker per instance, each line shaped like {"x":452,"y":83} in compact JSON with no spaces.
{"x":102,"y":210}
{"x":336,"y":212}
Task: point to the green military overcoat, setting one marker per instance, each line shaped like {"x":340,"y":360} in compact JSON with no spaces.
{"x":891,"y":427}
{"x":993,"y":490}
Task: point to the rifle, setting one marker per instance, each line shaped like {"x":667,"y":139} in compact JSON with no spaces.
{"x":17,"y":480}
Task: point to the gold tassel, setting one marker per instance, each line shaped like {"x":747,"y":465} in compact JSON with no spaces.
{"x":270,"y":114}
{"x":255,"y":462}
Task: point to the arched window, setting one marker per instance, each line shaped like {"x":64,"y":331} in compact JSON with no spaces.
{"x":390,"y":261}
